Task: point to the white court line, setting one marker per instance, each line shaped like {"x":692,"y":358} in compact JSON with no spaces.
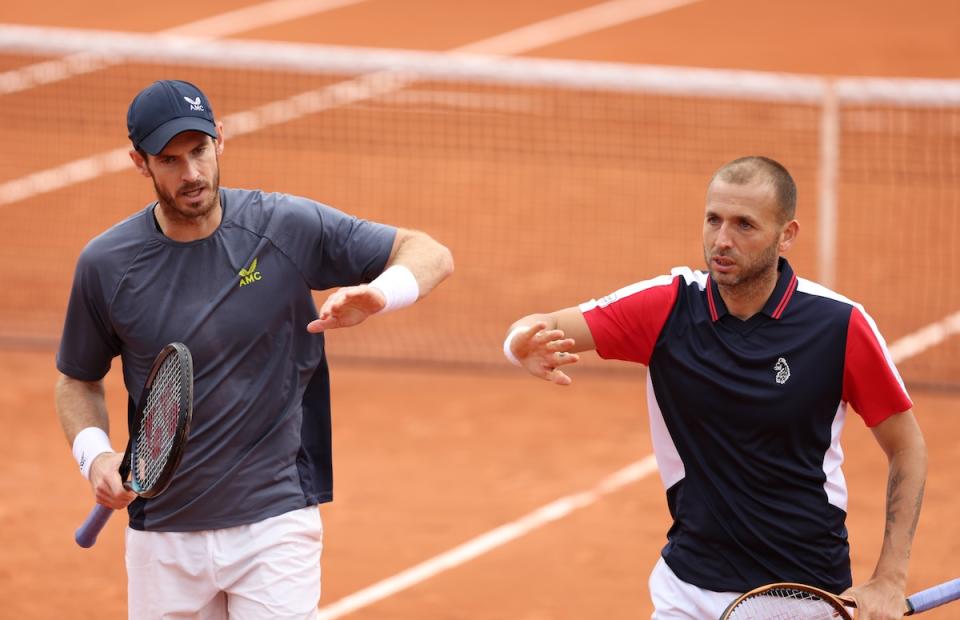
{"x":216,"y":26}
{"x":925,"y":338}
{"x":554,"y":511}
{"x":570,"y":25}
{"x":256,"y":16}
{"x":901,"y":350}
{"x":362,"y":88}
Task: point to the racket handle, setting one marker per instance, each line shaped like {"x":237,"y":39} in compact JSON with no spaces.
{"x":86,"y":534}
{"x":935,"y":596}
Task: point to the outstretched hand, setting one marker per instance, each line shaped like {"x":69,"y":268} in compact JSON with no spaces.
{"x":348,"y":306}
{"x":543,"y":351}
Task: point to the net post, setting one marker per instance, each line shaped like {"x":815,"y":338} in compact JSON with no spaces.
{"x":827,"y":186}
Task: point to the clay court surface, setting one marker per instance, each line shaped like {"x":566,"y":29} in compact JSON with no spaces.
{"x":428,"y":458}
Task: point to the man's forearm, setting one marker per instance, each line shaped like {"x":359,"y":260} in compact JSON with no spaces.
{"x":429,"y":261}
{"x":905,"y":485}
{"x":80,"y":404}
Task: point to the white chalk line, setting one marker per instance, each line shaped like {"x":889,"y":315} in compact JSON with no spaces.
{"x":570,"y":25}
{"x":925,"y":338}
{"x":216,"y":26}
{"x":554,"y":511}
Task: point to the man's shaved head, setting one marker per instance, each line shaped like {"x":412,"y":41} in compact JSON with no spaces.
{"x":757,"y":168}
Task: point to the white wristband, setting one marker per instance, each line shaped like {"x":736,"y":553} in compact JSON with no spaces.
{"x":90,"y":443}
{"x":399,"y":286}
{"x":509,"y":340}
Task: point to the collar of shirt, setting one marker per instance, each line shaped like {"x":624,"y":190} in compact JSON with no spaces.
{"x":776,"y":304}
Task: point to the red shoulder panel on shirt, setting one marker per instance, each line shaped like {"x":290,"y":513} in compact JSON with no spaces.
{"x":627,"y":325}
{"x":871,"y":383}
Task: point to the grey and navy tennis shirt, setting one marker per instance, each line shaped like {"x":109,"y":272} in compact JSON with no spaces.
{"x":240,"y":299}
{"x":746,"y":418}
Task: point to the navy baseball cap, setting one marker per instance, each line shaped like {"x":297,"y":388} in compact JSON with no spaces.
{"x":164,"y":109}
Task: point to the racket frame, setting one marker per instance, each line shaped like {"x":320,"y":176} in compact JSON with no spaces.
{"x":183,"y":423}
{"x":839,"y":603}
{"x":917,"y":602}
{"x":86,"y":534}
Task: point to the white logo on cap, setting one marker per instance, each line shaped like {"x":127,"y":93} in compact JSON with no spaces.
{"x":194,"y":104}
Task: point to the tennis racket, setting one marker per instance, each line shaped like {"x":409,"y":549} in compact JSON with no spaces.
{"x":158,"y":434}
{"x":794,"y":601}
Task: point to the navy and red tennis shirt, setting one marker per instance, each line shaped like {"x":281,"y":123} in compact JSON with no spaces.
{"x":746,"y":418}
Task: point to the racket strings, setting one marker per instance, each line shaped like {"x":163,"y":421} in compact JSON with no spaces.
{"x":159,"y":424}
{"x":785,"y":604}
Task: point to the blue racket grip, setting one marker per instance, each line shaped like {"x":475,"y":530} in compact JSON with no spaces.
{"x":935,"y":596}
{"x":86,"y":534}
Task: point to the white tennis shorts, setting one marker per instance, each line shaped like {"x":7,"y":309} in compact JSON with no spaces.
{"x":675,"y":599}
{"x":265,"y":570}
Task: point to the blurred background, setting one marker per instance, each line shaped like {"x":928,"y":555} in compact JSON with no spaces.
{"x":561,"y":150}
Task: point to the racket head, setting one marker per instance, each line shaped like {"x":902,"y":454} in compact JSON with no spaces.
{"x":161,"y":422}
{"x":795,"y":601}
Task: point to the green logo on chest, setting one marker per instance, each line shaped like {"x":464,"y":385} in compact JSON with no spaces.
{"x":250,"y":274}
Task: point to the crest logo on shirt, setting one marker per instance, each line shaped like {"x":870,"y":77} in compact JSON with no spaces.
{"x":783,"y":370}
{"x":250,"y":274}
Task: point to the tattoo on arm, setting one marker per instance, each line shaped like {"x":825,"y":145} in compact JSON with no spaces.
{"x":893,"y":498}
{"x":893,"y":502}
{"x":917,"y":502}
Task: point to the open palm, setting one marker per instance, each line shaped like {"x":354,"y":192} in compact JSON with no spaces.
{"x":348,"y":306}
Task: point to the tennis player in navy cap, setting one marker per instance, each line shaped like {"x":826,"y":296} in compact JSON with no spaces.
{"x":165,"y":109}
{"x":229,"y":272}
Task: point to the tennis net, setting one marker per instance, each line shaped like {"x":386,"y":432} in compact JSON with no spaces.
{"x":553,"y":182}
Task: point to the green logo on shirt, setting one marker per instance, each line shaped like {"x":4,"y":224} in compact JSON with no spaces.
{"x":250,"y":274}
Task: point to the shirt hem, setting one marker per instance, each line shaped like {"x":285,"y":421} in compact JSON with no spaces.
{"x":219,"y":524}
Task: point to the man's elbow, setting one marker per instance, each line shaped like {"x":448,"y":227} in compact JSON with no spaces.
{"x":445,"y":261}
{"x":65,"y":383}
{"x":913,"y":448}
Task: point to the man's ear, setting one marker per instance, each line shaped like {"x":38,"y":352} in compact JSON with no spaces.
{"x":139,"y":162}
{"x":788,"y":235}
{"x":220,"y":138}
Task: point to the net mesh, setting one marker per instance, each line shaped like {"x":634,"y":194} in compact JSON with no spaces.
{"x":551,"y":182}
{"x":158,"y":426}
{"x":786,"y":604}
